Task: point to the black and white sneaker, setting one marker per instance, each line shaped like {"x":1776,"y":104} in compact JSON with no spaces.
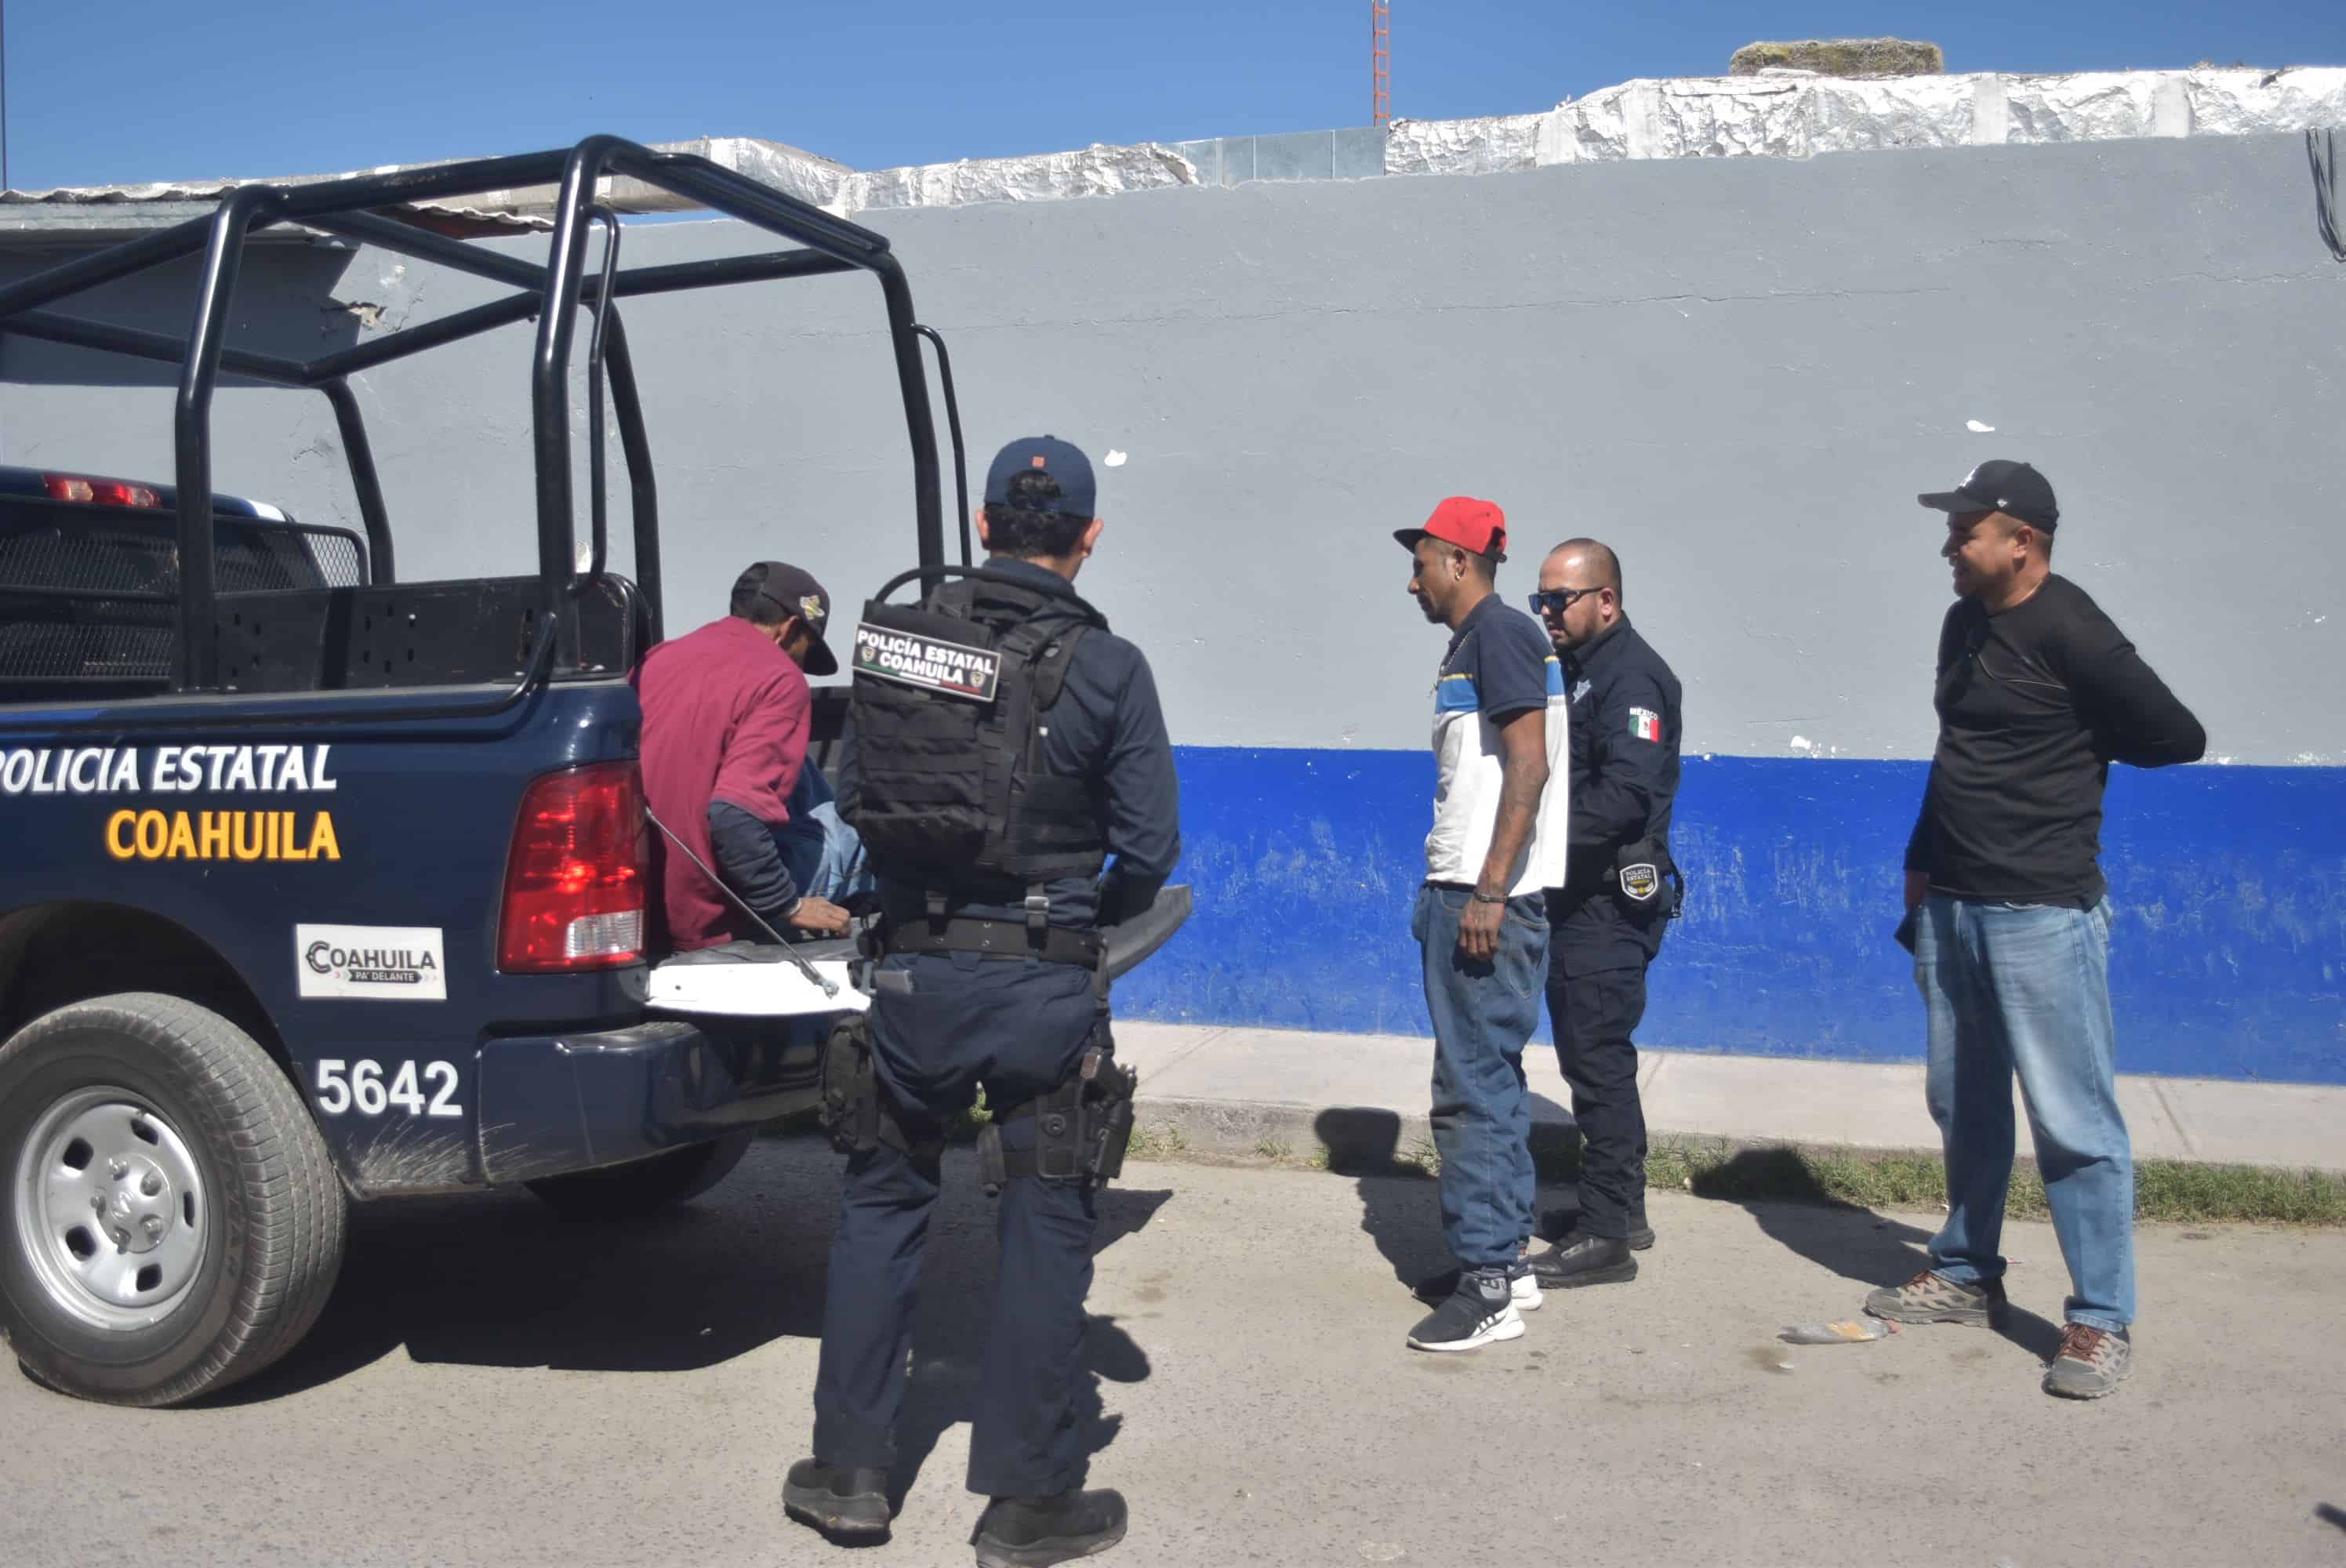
{"x":1480,"y":1312}
{"x":1521,"y":1287}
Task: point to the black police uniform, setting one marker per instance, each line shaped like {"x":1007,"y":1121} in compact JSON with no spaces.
{"x":943,"y":1024}
{"x":1624,"y":781}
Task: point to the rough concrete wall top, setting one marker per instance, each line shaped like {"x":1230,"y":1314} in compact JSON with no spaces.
{"x":1776,"y":114}
{"x":1840,"y":57}
{"x":1787,"y":113}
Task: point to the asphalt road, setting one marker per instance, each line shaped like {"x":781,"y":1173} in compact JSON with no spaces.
{"x":493,"y":1386}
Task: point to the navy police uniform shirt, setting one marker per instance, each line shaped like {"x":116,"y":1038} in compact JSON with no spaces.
{"x":1017,"y":1026}
{"x":1108,"y":728}
{"x":1624,"y":782}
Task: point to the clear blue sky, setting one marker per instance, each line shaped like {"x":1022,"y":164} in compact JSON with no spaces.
{"x":137,"y":89}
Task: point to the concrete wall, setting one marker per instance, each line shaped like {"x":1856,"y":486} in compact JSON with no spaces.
{"x":1739,"y":372}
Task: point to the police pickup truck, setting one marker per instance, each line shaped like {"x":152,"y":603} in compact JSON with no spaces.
{"x":317,"y":885}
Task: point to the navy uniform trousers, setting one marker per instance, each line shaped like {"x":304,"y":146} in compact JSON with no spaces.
{"x":1017,"y":1028}
{"x":1597,"y":957}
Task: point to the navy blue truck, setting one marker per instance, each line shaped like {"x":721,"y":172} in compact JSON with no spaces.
{"x":318,"y":885}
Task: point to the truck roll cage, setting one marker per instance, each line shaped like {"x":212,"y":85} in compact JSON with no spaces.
{"x":353,"y":208}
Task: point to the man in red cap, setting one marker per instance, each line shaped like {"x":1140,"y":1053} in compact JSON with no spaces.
{"x":1499,"y":833}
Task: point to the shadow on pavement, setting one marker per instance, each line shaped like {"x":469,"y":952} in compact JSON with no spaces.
{"x":2331,"y":1514}
{"x":1401,"y":1210}
{"x":498,"y":1279}
{"x":1855,"y":1243}
{"x":948,"y":1355}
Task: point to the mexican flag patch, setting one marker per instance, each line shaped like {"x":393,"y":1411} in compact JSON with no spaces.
{"x":1646,"y":724}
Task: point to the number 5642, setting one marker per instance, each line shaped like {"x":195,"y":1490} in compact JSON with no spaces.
{"x":360,"y":1086}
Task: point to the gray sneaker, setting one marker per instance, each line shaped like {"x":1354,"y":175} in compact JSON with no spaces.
{"x":1930,"y":1298}
{"x":2091,"y":1363}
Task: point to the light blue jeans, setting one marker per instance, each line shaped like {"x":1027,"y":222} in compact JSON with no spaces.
{"x":825,"y":856}
{"x":2025,"y":988}
{"x":1483,"y":1015}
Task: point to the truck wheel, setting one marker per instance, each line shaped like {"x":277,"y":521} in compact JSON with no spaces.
{"x":644,"y":1186}
{"x":173,"y":1222}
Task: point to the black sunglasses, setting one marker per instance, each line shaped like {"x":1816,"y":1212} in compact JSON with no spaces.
{"x":1560,"y":599}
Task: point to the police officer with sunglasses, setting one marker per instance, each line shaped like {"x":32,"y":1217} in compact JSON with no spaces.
{"x":1620,"y":891}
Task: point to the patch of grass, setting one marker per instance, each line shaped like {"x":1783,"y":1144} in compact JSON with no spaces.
{"x":1274,"y":1151}
{"x":2195,"y":1193}
{"x":2164,"y":1190}
{"x":1716,"y":1170}
{"x":1425,"y":1156}
{"x":1162,"y":1142}
{"x":1322,"y":1156}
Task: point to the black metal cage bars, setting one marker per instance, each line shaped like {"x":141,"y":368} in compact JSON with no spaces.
{"x":553,"y":293}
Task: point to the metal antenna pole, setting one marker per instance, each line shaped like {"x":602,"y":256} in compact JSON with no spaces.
{"x":1379,"y":62}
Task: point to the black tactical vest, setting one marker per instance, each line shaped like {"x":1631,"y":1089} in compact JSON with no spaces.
{"x":947,"y":712}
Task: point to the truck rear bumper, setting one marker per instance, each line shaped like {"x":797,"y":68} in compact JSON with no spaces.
{"x":552,"y":1105}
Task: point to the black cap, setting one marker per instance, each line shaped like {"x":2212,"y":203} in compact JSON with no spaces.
{"x":793,"y":590}
{"x":1078,"y":495}
{"x":2014,"y":489}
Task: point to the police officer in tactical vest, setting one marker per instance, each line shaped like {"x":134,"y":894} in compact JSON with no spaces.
{"x":1002,"y":744}
{"x":1620,"y":890}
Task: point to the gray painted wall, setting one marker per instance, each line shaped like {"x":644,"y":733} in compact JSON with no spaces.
{"x":1739,"y":372}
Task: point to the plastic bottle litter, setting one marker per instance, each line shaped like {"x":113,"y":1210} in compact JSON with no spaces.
{"x":1847,"y":1331}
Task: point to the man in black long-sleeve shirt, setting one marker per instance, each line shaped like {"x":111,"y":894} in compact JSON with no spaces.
{"x":2009,"y":920}
{"x":1609,"y":916}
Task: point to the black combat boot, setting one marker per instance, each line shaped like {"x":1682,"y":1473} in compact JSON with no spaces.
{"x":1036,"y":1532}
{"x":843,"y":1505}
{"x":1583,"y":1260}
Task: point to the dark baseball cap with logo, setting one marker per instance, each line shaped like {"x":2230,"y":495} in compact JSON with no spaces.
{"x":1079,"y":494}
{"x":793,"y":590}
{"x":2014,"y":489}
{"x":1477,"y":528}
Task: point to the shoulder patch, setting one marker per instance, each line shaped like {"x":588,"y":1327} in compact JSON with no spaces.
{"x":1645,"y":723}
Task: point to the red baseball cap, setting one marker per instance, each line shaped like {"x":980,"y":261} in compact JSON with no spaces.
{"x":1477,"y":528}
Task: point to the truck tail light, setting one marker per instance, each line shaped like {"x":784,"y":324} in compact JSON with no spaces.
{"x":575,"y":879}
{"x":101,"y":491}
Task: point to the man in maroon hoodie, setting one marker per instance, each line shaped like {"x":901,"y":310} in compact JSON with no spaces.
{"x":727,"y":719}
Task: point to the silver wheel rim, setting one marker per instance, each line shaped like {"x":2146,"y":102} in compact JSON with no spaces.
{"x":112,"y":1209}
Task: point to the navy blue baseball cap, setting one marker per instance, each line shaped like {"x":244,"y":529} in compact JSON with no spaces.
{"x":1077,"y":493}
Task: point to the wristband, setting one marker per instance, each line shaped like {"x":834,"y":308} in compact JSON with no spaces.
{"x":1483,"y":898}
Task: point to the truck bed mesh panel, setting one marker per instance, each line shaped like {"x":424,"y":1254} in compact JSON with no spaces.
{"x":57,"y":563}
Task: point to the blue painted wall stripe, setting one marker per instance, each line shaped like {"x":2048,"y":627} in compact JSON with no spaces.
{"x":2227,"y":959}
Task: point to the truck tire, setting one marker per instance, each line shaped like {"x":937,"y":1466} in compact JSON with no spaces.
{"x":172,"y":1221}
{"x":644,"y":1187}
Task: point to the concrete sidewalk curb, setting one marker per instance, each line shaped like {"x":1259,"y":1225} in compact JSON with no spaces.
{"x":1356,"y":1138}
{"x":1364,"y":1141}
{"x":1227,"y":1092}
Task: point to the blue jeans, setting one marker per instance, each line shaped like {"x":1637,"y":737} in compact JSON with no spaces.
{"x":2025,"y":988}
{"x":1482,"y":1015}
{"x":824,"y":855}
